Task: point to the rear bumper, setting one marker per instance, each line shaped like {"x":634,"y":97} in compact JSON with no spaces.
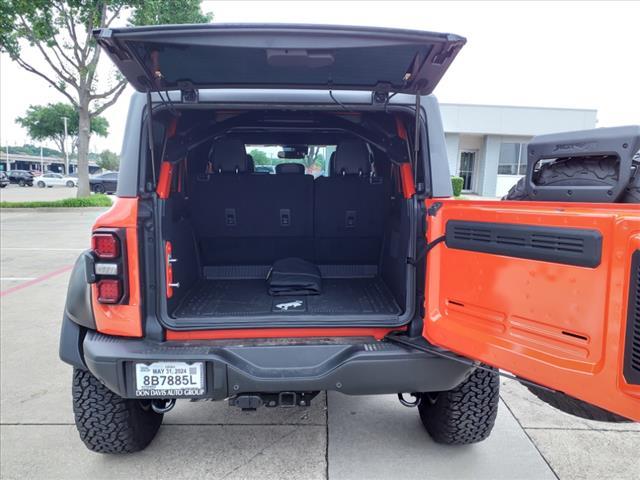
{"x":355,"y":366}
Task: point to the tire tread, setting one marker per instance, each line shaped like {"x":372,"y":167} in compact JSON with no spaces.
{"x":108,"y":423}
{"x":465,"y":414}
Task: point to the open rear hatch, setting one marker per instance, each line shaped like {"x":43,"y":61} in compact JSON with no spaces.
{"x":191,"y":57}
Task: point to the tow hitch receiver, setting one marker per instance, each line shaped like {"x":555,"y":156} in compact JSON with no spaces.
{"x":251,"y":401}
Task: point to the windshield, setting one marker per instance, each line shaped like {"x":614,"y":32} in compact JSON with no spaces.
{"x":315,"y":161}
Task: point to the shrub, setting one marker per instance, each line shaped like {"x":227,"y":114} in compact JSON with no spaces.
{"x":92,"y":201}
{"x":457,"y":183}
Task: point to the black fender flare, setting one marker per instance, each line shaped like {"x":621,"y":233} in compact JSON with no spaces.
{"x":78,"y":315}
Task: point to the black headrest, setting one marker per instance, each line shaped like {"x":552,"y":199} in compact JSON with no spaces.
{"x":251,"y":165}
{"x":229,"y":156}
{"x":332,"y":164}
{"x":296,"y":168}
{"x":352,"y":158}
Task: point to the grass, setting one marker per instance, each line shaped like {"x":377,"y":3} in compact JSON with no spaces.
{"x":92,"y":201}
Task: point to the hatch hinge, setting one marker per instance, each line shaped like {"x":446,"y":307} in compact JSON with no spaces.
{"x":432,"y":211}
{"x":188,"y":93}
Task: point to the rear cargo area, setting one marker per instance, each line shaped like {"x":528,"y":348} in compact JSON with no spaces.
{"x":227,"y":224}
{"x":221,"y":297}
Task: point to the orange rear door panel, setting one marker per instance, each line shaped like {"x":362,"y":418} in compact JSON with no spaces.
{"x":559,"y":325}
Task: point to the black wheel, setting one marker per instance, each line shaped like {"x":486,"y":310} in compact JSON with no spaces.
{"x":108,"y":423}
{"x":22,"y":183}
{"x":2,"y":185}
{"x":580,"y":172}
{"x":465,"y":414}
{"x":70,"y":184}
{"x":98,"y":188}
{"x":41,"y":184}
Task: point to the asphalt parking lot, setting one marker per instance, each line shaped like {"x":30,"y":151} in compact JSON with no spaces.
{"x":338,"y":437}
{"x":15,"y":193}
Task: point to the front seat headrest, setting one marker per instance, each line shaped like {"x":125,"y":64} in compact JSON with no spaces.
{"x":229,"y":156}
{"x":295,"y":168}
{"x":332,"y":163}
{"x":251,"y":165}
{"x":352,"y":158}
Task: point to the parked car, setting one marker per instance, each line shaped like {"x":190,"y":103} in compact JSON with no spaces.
{"x":265,"y":169}
{"x":21,"y":177}
{"x":4,"y":180}
{"x":51,"y":179}
{"x":206,"y":281}
{"x":105,"y":183}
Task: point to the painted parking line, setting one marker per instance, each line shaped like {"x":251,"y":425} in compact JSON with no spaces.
{"x":36,"y":280}
{"x":15,"y":279}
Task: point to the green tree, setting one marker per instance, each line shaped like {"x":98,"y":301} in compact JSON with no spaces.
{"x":314,"y":157}
{"x":45,"y":122}
{"x":259,"y":157}
{"x":109,"y":160}
{"x":60,"y":33}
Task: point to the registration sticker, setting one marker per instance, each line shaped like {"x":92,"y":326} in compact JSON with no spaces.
{"x":170,"y":379}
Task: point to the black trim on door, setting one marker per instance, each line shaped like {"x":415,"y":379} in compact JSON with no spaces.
{"x":632,"y":337}
{"x":570,"y":246}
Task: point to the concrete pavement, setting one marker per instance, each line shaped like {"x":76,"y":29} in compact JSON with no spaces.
{"x":342,"y":437}
{"x":15,"y":193}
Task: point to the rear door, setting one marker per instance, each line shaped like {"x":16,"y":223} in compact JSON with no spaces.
{"x":56,"y":179}
{"x":546,"y":290}
{"x":190,"y":57}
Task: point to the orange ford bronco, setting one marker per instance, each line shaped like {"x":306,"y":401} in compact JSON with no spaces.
{"x":334,"y":257}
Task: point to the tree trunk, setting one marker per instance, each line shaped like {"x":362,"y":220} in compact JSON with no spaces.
{"x":84,"y":130}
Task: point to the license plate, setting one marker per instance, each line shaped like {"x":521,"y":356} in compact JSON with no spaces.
{"x":169,"y":379}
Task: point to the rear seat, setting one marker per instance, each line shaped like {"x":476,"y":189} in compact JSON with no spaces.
{"x":244,"y":218}
{"x":350,"y":208}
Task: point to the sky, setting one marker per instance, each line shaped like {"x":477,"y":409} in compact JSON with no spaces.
{"x":546,"y":54}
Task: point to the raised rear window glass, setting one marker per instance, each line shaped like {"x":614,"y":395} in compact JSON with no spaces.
{"x":357,"y":67}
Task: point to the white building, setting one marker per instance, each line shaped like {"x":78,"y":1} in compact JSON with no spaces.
{"x":486,"y":144}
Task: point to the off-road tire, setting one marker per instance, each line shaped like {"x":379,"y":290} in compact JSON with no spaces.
{"x":465,"y":414}
{"x":108,"y":423}
{"x":583,"y":172}
{"x":579,"y":172}
{"x":575,"y":407}
{"x":99,"y":188}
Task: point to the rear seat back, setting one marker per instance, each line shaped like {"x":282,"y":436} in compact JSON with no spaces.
{"x":246,"y":218}
{"x":351,"y":208}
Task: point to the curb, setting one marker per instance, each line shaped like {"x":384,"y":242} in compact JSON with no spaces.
{"x":53,"y":209}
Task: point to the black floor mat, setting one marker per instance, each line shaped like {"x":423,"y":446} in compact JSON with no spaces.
{"x":340,"y":296}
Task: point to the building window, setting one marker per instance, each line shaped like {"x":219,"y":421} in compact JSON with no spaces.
{"x":513,"y":159}
{"x":467,"y":168}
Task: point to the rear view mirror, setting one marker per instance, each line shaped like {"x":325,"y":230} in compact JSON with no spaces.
{"x":293,"y":152}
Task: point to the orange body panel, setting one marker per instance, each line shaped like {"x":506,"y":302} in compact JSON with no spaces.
{"x":164,"y":180}
{"x":558,"y":325}
{"x":169,"y":268}
{"x":123,"y":320}
{"x":377,"y":333}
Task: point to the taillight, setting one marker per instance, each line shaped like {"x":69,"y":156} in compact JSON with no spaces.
{"x":109,"y":291}
{"x":111,"y":280}
{"x":105,"y":245}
